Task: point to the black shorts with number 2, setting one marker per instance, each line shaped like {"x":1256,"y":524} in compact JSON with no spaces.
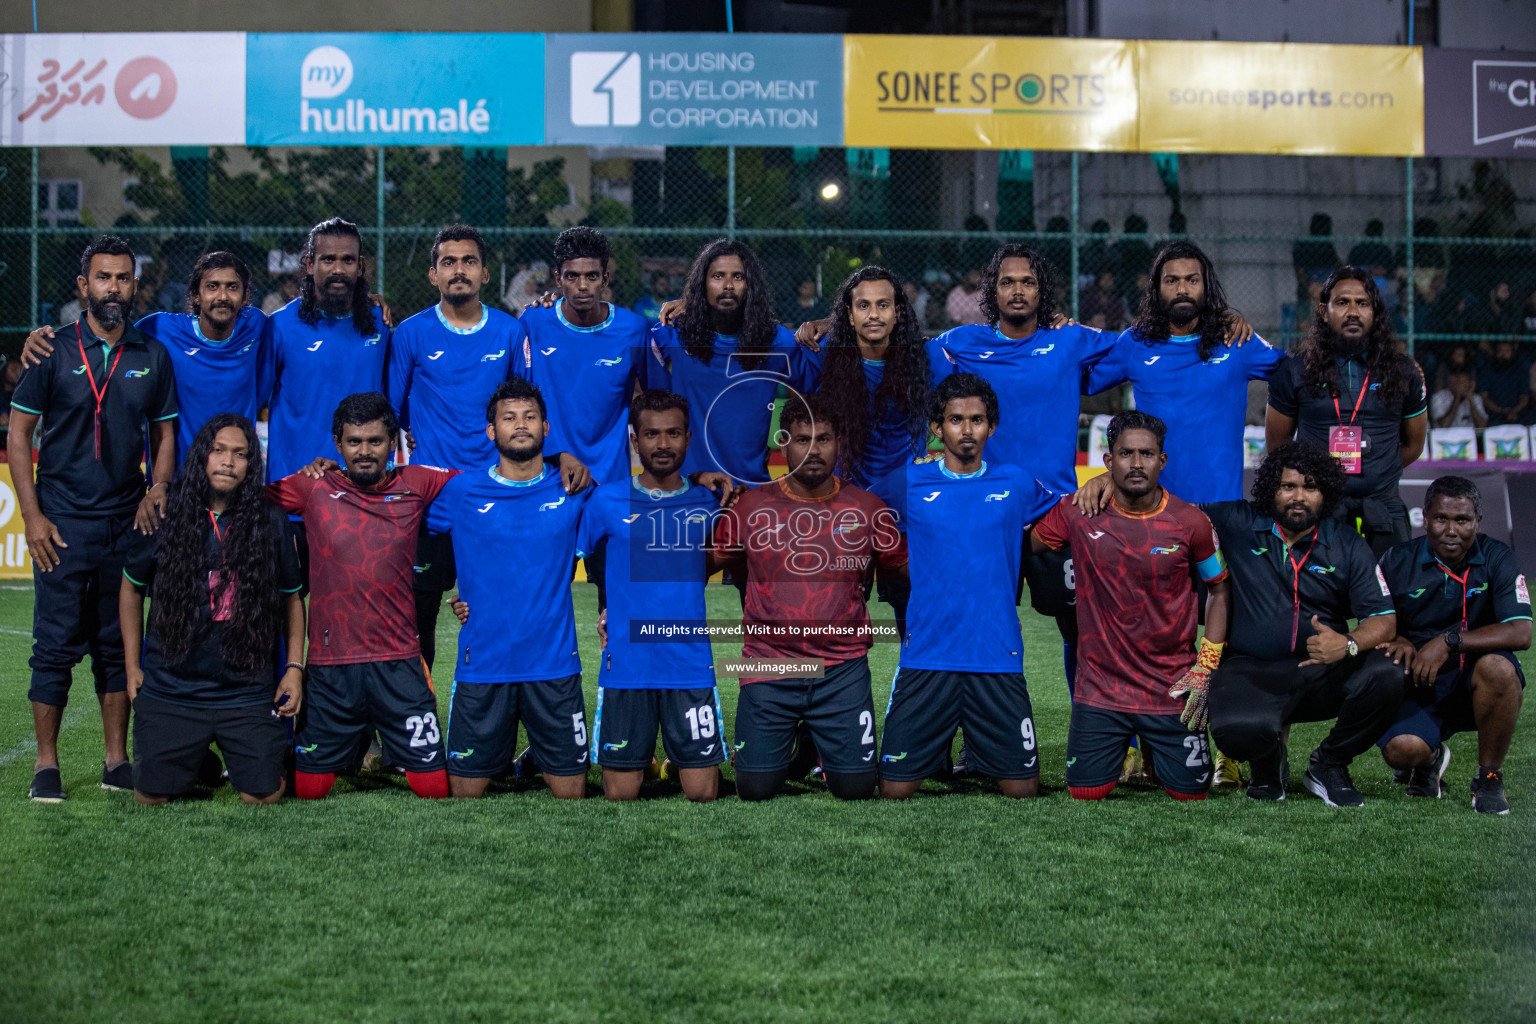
{"x":344,"y":704}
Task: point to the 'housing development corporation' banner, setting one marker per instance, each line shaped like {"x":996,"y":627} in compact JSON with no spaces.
{"x":693,"y":89}
{"x":123,"y":89}
{"x":965,"y":92}
{"x":1286,"y":98}
{"x":397,"y":89}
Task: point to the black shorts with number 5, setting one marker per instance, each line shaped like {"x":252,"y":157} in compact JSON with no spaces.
{"x":344,"y":704}
{"x":483,"y":720}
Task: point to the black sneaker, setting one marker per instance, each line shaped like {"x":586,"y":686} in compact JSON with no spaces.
{"x":1487,"y":792}
{"x":805,"y":758}
{"x":118,"y":779}
{"x":47,"y":786}
{"x":1402,"y":776}
{"x":1425,"y":779}
{"x":961,"y":768}
{"x":1267,"y":777}
{"x":211,"y":773}
{"x":1331,"y":783}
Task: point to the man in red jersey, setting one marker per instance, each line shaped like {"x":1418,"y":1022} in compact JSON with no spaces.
{"x":364,"y":670}
{"x":1138,"y":616}
{"x":808,"y":542}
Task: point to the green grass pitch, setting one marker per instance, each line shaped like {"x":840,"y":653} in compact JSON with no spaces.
{"x":959,"y":906}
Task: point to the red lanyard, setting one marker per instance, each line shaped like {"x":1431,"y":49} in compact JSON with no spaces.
{"x":102,"y":393}
{"x":214,"y":519}
{"x":1365,"y":386}
{"x":1462,"y":579}
{"x":1296,"y":585}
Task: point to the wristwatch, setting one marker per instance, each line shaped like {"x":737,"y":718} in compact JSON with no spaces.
{"x":1453,"y":639}
{"x":1353,"y":648}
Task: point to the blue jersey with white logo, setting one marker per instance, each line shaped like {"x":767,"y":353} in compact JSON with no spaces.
{"x":965,"y":535}
{"x":888,"y":447}
{"x":657,"y":542}
{"x":312,"y":368}
{"x":587,"y":375}
{"x":212,"y":377}
{"x":1038,"y":381}
{"x":730,"y":406}
{"x":515,"y":542}
{"x":1203,"y":402}
{"x":440,"y":379}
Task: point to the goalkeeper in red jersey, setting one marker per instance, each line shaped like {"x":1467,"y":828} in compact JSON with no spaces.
{"x":1140,"y":672}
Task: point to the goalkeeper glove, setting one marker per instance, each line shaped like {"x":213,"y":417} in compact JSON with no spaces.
{"x":1195,"y":684}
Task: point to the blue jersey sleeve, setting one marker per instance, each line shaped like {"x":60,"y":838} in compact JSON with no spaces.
{"x":1037,"y":498}
{"x":1261,"y":358}
{"x":593,"y":526}
{"x":939,"y":364}
{"x":1110,"y":371}
{"x":402,"y":367}
{"x":441,"y":511}
{"x":658,"y":374}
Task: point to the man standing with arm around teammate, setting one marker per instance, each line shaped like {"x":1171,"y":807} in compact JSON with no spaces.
{"x":94,"y":397}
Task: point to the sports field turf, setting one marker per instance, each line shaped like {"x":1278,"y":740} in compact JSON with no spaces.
{"x":960,"y":906}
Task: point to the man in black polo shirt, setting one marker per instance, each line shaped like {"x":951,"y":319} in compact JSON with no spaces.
{"x":1463,"y":609}
{"x":224,"y":572}
{"x":93,"y":396}
{"x":1298,"y":577}
{"x":1350,"y":388}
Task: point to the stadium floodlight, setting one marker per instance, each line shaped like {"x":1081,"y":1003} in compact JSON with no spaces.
{"x":830,"y":191}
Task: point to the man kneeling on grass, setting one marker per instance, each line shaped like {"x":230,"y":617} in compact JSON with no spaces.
{"x":1463,"y":609}
{"x":224,"y":573}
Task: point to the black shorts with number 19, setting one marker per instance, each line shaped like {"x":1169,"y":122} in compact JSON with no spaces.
{"x":344,"y":704}
{"x":624,"y":727}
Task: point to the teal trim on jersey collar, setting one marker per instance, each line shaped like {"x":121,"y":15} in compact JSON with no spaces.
{"x":1183,"y":339}
{"x":197,"y":329}
{"x":656,"y":495}
{"x":485,"y":318}
{"x":560,"y":314}
{"x":543,"y":472}
{"x":961,"y":476}
{"x":873,"y":362}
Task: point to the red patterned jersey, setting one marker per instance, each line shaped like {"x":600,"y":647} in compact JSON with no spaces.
{"x":1137,"y":608}
{"x":807,"y":561}
{"x":362,"y":543}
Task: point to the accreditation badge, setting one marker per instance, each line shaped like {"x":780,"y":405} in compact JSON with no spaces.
{"x":1347,"y":444}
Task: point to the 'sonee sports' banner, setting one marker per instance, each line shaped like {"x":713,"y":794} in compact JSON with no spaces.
{"x":964,"y":92}
{"x":122,"y":88}
{"x":1284,"y":98}
{"x":15,"y":559}
{"x":399,"y":89}
{"x":693,"y":89}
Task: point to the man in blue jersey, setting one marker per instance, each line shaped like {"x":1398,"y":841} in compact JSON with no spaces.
{"x":444,"y":364}
{"x":1175,"y":357}
{"x":1177,"y":360}
{"x":656,"y":526}
{"x":962,"y":658}
{"x":585,"y":355}
{"x":727,"y":355}
{"x":514,"y":525}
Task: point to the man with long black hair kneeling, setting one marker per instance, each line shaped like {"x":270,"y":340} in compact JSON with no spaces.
{"x":224,"y":573}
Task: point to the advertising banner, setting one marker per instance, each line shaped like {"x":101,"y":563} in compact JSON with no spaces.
{"x":123,"y":88}
{"x":15,"y":559}
{"x":1284,"y":98}
{"x":959,"y":92}
{"x":1480,"y":103}
{"x":693,"y":89}
{"x":397,"y":89}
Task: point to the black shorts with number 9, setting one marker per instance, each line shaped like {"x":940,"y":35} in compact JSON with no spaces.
{"x":344,"y":704}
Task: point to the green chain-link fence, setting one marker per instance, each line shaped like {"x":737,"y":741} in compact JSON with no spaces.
{"x":812,"y":214}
